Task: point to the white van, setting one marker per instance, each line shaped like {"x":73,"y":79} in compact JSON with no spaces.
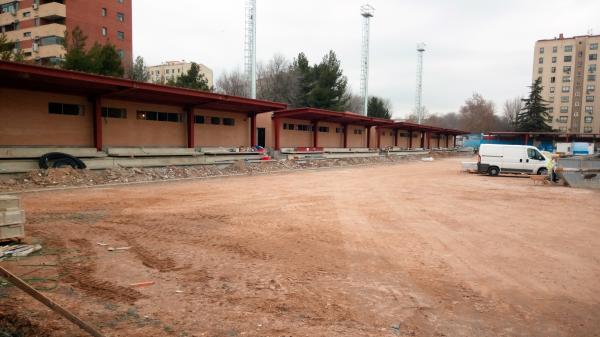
{"x":495,"y":159}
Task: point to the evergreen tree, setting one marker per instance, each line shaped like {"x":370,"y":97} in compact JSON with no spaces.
{"x":137,"y":71}
{"x":7,"y":50}
{"x":379,"y":108}
{"x":305,"y":74}
{"x":100,"y":59}
{"x":193,"y":79}
{"x":328,"y":90}
{"x":534,"y":114}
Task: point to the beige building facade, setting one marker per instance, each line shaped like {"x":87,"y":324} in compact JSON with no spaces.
{"x":173,"y":69}
{"x":568,"y":67}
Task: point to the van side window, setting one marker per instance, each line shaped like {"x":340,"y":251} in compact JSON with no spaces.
{"x":534,"y":154}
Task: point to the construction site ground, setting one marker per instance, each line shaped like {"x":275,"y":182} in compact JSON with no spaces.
{"x":411,"y":249}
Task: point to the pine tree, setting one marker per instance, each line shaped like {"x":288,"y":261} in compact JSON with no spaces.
{"x":534,"y":115}
{"x":379,"y":108}
{"x":193,"y":79}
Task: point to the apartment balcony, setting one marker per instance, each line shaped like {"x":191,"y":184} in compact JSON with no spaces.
{"x":42,"y":52}
{"x":51,"y":11}
{"x":53,"y":29}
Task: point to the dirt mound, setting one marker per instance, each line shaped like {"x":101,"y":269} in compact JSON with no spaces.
{"x":67,"y":177}
{"x":16,"y":325}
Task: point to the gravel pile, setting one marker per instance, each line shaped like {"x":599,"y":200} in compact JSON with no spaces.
{"x":66,"y":177}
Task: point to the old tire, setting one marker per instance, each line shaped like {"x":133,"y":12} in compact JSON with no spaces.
{"x":542,"y":172}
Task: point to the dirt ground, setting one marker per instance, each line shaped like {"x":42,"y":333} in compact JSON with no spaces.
{"x":413,"y":249}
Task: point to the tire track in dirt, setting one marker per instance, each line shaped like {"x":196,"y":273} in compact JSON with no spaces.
{"x":78,"y":270}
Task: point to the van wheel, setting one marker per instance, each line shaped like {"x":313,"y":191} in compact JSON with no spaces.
{"x":543,"y":172}
{"x":493,"y":171}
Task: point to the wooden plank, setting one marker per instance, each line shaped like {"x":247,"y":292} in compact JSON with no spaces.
{"x":48,"y":302}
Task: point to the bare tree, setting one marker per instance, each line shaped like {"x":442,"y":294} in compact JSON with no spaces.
{"x":478,"y":115}
{"x":232,"y":83}
{"x":278,"y":81}
{"x":355,"y":104}
{"x":511,"y":108}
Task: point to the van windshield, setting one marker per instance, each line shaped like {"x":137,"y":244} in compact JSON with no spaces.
{"x":535,"y":154}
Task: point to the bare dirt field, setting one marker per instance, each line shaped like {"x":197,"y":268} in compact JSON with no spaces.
{"x":412,"y":249}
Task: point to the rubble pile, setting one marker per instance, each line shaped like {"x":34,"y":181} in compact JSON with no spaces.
{"x":67,"y":177}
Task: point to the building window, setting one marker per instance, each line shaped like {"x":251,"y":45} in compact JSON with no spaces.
{"x":540,"y":70}
{"x":591,"y":87}
{"x":541,"y":60}
{"x":121,"y":35}
{"x":589,"y":109}
{"x":552,"y":79}
{"x":65,"y":109}
{"x":563,"y":119}
{"x":551,"y":110}
{"x":229,"y":121}
{"x":564,"y":99}
{"x":568,"y":58}
{"x":542,"y":50}
{"x":551,"y":90}
{"x":215,"y":120}
{"x":567,"y":69}
{"x":554,"y":49}
{"x":26,"y":14}
{"x":114,"y":113}
{"x":568,"y":49}
{"x":593,"y":57}
{"x":159,"y":116}
{"x":553,"y":59}
{"x":121,"y":1}
{"x":121,"y":53}
{"x":121,"y":17}
{"x":566,"y":88}
{"x":104,"y":11}
{"x":551,"y":98}
{"x":592,"y":68}
{"x":564,"y":109}
{"x":104,"y":31}
{"x":50,"y":40}
{"x":591,"y":78}
{"x":588,"y":119}
{"x":587,"y":129}
{"x":36,"y":22}
{"x":589,"y":98}
{"x":553,"y":70}
{"x":593,"y":46}
{"x":200,"y":120}
{"x":566,"y":79}
{"x":323,"y":129}
{"x":27,"y":34}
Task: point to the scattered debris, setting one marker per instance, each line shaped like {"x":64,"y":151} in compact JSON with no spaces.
{"x":142,"y":284}
{"x":102,"y":244}
{"x":67,"y":177}
{"x":427,"y":159}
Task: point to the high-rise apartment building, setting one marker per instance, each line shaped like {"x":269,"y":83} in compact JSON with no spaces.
{"x":173,"y":69}
{"x":38,"y":26}
{"x":568,"y":68}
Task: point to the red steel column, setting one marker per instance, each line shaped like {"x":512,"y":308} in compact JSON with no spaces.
{"x":345,"y":135}
{"x":378,"y":138}
{"x":429,"y":140}
{"x":396,"y":137}
{"x":368,"y":137}
{"x":454,"y":140}
{"x":410,"y":137}
{"x":97,"y":120}
{"x":191,"y":128}
{"x":439,"y":138}
{"x":253,"y":130}
{"x":315,"y":133}
{"x":447,"y":141}
{"x":276,"y":131}
{"x":422,"y":139}
{"x":526,"y":139}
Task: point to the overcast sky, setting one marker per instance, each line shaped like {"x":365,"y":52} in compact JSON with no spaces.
{"x":472,"y":45}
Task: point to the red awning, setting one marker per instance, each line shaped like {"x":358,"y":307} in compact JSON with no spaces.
{"x":312,"y":114}
{"x":408,"y":126}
